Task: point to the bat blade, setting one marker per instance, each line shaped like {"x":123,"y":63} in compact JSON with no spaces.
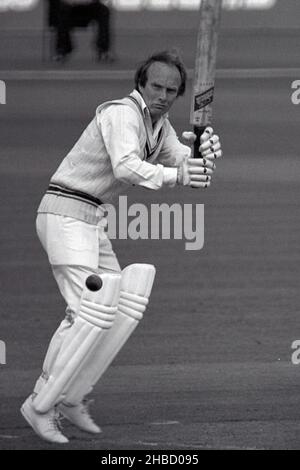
{"x":205,"y":68}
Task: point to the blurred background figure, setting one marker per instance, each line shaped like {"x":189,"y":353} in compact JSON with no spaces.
{"x":64,"y":15}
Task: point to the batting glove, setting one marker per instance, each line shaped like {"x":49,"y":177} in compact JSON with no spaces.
{"x":210,"y":145}
{"x":197,"y":172}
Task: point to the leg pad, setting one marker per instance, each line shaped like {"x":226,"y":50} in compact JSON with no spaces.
{"x":136,"y":284}
{"x":96,"y":315}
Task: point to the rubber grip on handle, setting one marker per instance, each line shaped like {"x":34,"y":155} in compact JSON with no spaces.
{"x":198,"y":131}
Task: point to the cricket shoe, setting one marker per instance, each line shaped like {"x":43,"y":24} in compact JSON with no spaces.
{"x":79,"y":416}
{"x":45,"y":425}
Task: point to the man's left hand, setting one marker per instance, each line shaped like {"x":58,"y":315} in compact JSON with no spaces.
{"x":200,"y":170}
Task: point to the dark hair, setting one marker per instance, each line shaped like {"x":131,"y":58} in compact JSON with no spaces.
{"x":167,"y":57}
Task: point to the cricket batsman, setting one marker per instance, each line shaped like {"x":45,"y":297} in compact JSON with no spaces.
{"x":129,"y":142}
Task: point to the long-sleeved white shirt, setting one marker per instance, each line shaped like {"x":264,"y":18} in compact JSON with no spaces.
{"x":119,"y":148}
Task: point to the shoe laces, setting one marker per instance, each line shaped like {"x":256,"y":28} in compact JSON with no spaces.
{"x":85,"y":405}
{"x":55,"y":421}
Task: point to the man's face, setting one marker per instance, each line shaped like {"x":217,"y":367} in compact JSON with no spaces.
{"x":161,"y":88}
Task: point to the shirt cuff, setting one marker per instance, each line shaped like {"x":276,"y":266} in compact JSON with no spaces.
{"x":170,"y":176}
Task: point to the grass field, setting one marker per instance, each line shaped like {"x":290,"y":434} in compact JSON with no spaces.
{"x":210,"y":365}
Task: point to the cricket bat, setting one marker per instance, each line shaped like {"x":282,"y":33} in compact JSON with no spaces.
{"x":205,"y":68}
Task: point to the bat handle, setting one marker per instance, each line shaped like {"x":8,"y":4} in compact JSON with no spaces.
{"x":198,"y":130}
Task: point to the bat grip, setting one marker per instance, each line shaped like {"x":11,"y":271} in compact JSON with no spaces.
{"x":198,"y":130}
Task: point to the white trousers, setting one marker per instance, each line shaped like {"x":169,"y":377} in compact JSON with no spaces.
{"x":75,"y":249}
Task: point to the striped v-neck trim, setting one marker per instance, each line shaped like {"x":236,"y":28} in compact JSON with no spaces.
{"x":152,"y":144}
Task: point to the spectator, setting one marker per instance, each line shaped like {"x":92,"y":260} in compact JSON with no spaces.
{"x":65,"y":15}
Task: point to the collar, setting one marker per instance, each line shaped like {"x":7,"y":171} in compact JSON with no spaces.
{"x":135,"y":94}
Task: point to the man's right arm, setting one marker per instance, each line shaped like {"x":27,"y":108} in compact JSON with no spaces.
{"x":122,"y":135}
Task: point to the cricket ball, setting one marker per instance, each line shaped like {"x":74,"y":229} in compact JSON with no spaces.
{"x":94,"y":282}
